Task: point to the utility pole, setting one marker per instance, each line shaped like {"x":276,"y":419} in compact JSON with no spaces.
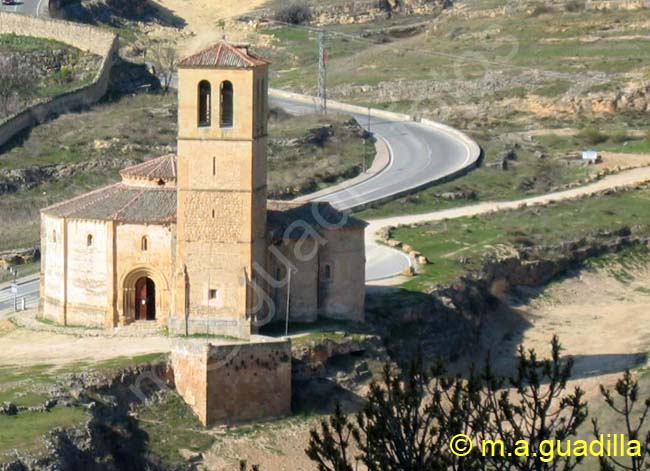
{"x":322,"y":72}
{"x":14,"y":287}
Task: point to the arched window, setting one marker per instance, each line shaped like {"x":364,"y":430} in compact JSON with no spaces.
{"x":205,"y":104}
{"x":226,"y":105}
{"x":89,"y":240}
{"x":144,"y":244}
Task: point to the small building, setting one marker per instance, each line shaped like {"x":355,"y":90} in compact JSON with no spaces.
{"x":591,"y":156}
{"x":189,"y":241}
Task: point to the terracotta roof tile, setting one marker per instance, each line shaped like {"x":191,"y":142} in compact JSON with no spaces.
{"x":122,"y":203}
{"x":224,"y":54}
{"x":161,"y":167}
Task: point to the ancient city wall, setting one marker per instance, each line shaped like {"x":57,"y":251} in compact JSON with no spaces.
{"x":240,"y":382}
{"x":85,"y":38}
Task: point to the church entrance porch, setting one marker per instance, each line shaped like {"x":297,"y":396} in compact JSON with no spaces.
{"x":144,"y":296}
{"x":145,"y":299}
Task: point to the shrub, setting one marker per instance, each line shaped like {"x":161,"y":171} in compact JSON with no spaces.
{"x":619,"y":137}
{"x":647,"y":136}
{"x":295,"y":13}
{"x":574,"y":6}
{"x":541,"y":9}
{"x":592,"y":136}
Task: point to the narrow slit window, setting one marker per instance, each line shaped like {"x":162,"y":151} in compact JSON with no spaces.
{"x":212,"y":294}
{"x":227,"y":109}
{"x":327,"y":272}
{"x":214,"y":214}
{"x":54,"y":236}
{"x":214,"y":166}
{"x":144,"y":244}
{"x":89,"y":240}
{"x":205,"y":104}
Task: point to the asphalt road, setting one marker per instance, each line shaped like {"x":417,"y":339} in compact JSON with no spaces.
{"x":420,"y":154}
{"x":27,"y":289}
{"x":27,"y":7}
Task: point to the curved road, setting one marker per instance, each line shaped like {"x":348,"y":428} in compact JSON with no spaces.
{"x":419,"y":155}
{"x":28,"y":7}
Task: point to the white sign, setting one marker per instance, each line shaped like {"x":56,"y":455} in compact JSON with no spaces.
{"x":14,"y":288}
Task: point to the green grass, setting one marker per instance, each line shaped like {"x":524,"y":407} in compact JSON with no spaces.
{"x":23,"y":270}
{"x":29,"y":386}
{"x":132,"y":129}
{"x":25,"y":431}
{"x":307,"y":167}
{"x":318,"y":331}
{"x":613,"y":140}
{"x":445,"y":243}
{"x":78,"y":69}
{"x":525,"y":176}
{"x":171,"y":425}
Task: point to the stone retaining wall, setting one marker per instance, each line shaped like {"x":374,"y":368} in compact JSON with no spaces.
{"x":232,"y":383}
{"x":85,"y":38}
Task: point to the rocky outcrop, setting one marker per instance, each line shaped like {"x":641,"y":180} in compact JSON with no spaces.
{"x":19,"y":257}
{"x":109,"y":440}
{"x":14,"y":180}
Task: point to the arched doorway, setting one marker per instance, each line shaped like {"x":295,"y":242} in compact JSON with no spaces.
{"x":145,"y":299}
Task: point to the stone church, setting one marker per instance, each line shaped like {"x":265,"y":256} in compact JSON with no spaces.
{"x":189,"y":241}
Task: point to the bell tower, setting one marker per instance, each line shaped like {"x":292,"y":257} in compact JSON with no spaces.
{"x":221,"y":215}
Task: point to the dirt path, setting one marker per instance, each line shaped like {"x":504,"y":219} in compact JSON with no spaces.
{"x":627,"y":178}
{"x":25,"y":347}
{"x":203,"y":17}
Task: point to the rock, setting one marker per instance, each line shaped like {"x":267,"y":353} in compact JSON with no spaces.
{"x":422,"y":260}
{"x":191,"y":456}
{"x":407,"y":248}
{"x":461,"y":194}
{"x":408,"y":272}
{"x":394,"y":243}
{"x":100,"y":144}
{"x":8,"y":408}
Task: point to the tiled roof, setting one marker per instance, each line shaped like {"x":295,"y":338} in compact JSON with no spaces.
{"x":320,"y":215}
{"x":133,"y":204}
{"x":122,"y":203}
{"x":159,"y":168}
{"x":224,"y":54}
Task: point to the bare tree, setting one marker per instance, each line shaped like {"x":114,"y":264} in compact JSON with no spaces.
{"x":164,"y":58}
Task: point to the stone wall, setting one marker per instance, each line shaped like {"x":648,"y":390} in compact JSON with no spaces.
{"x":85,"y":38}
{"x":134,"y":260}
{"x":226,"y":384}
{"x":343,"y":294}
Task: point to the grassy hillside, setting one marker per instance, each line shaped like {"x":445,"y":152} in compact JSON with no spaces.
{"x":39,"y":68}
{"x":501,"y":71}
{"x":306,"y":153}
